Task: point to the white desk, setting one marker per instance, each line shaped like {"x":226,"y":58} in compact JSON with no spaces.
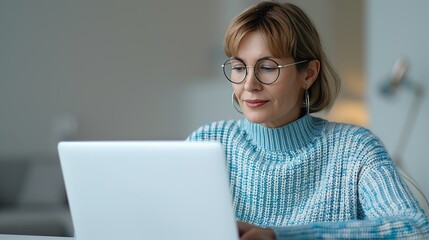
{"x":29,"y":237}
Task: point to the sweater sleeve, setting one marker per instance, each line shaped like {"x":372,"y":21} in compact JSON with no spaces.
{"x":386,"y":207}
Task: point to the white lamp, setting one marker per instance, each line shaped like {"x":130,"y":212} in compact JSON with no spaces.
{"x":397,"y":80}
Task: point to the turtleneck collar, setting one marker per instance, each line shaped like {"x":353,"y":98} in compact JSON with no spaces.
{"x":288,"y":137}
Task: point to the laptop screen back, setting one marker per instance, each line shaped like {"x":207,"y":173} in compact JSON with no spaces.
{"x":147,"y":190}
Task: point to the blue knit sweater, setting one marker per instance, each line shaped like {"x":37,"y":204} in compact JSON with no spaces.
{"x":315,"y":179}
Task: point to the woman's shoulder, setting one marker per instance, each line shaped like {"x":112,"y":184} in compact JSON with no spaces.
{"x":215,"y":130}
{"x":348,"y":130}
{"x":358,"y":139}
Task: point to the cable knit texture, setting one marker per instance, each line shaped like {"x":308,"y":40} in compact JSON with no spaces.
{"x":315,"y":179}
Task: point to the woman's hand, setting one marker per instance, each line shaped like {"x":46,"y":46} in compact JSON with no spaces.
{"x":249,"y":231}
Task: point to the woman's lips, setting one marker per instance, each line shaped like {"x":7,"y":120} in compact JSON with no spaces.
{"x":254,"y":103}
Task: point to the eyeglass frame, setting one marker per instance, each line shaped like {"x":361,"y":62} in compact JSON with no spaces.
{"x":254,"y":72}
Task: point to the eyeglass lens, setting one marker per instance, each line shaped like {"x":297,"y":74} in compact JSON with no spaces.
{"x":266,"y":71}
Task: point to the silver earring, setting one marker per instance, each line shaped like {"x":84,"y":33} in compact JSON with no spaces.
{"x":307,"y":101}
{"x":235,"y":103}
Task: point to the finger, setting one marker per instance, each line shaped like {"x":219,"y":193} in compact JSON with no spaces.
{"x":252,"y":234}
{"x":243,"y":227}
{"x":258,"y":234}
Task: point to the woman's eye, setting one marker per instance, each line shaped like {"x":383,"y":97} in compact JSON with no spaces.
{"x":238,"y":68}
{"x":267,"y":68}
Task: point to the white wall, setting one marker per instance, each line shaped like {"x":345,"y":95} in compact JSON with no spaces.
{"x":117,"y":68}
{"x":397,"y":28}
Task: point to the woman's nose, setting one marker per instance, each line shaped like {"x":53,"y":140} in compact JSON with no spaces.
{"x":251,"y":83}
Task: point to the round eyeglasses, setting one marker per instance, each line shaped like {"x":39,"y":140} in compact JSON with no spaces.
{"x":266,"y":71}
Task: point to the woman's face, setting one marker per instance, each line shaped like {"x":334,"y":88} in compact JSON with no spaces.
{"x":270,"y":105}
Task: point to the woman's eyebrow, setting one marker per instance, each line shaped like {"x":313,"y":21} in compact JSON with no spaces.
{"x":266,"y":57}
{"x":262,"y":58}
{"x":236,"y":58}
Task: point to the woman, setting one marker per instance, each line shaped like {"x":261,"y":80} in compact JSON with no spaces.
{"x":293,"y":175}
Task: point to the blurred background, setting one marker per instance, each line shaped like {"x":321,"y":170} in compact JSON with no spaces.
{"x":151,"y":70}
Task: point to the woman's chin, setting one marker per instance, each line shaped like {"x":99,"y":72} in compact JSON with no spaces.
{"x":255,"y":117}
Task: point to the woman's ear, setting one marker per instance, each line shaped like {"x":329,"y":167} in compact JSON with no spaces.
{"x":311,"y":73}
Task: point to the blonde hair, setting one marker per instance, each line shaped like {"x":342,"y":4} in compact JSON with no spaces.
{"x":288,"y":32}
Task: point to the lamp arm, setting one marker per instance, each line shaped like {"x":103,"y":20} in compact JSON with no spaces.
{"x":409,"y":124}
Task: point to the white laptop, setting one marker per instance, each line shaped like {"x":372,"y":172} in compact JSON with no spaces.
{"x":148,"y":190}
